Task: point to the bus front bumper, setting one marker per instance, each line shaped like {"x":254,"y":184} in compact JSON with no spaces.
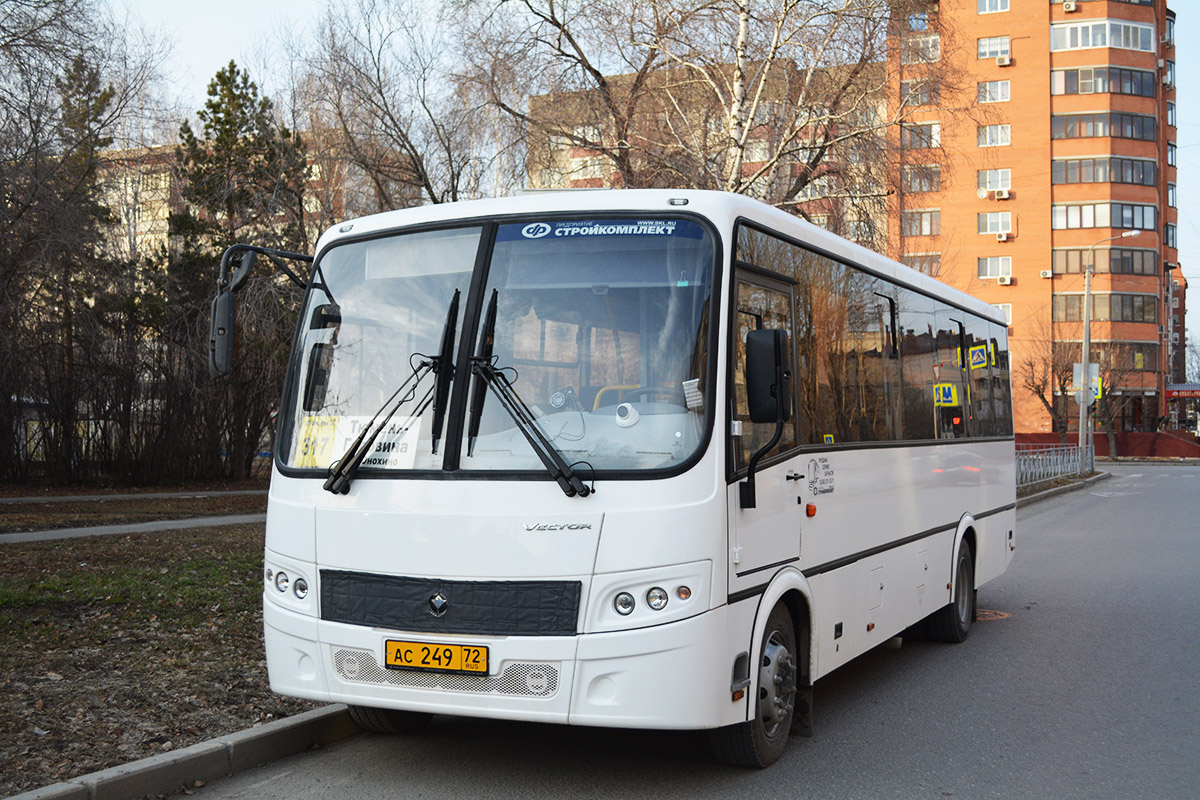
{"x":671,"y":676}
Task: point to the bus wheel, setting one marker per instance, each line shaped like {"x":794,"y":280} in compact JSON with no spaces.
{"x":952,"y":622}
{"x":761,"y":740}
{"x":389,"y":721}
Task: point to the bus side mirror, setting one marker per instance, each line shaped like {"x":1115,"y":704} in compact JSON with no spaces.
{"x":768,"y":395}
{"x":242,"y":273}
{"x":220,"y":337}
{"x":768,"y":380}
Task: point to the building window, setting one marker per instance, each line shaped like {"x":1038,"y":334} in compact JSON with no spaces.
{"x":1102,"y":33}
{"x":993,"y":179}
{"x":1118,"y":261}
{"x":992,"y":46}
{"x":1110,"y":307}
{"x":1171,"y":154}
{"x":922,"y":222}
{"x":1168,"y":28}
{"x":1100,"y":80}
{"x":923,"y":49}
{"x":919,"y":93}
{"x":925,"y":263}
{"x":1103,"y":215}
{"x":918,"y":21}
{"x":993,"y":135}
{"x":1171,"y":196}
{"x":922,"y":178}
{"x":1171,"y":114}
{"x":995,"y":266}
{"x":1104,"y":170}
{"x":1104,"y":124}
{"x":1169,"y":235}
{"x":1169,"y":73}
{"x":992,"y":92}
{"x":921,"y":135}
{"x":991,"y":6}
{"x":1006,"y":309}
{"x":995,"y":222}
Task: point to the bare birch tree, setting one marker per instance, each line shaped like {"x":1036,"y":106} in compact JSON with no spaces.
{"x":378,"y":97}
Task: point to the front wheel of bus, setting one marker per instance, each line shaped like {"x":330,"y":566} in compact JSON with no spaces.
{"x":760,"y":741}
{"x":388,"y":720}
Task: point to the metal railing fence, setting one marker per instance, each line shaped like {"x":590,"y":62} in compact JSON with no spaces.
{"x":1038,"y":463}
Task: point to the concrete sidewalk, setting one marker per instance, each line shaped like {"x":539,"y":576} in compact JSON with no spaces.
{"x":133,"y":527}
{"x":85,"y":498}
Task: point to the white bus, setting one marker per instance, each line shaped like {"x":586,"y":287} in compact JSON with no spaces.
{"x":644,"y":459}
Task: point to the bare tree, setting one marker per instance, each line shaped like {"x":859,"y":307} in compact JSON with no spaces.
{"x":1045,"y":371}
{"x":377,"y":96}
{"x":1119,"y":372}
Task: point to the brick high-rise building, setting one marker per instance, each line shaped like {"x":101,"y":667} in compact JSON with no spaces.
{"x":1041,"y":129}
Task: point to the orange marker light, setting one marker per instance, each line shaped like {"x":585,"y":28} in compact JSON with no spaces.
{"x":810,"y":510}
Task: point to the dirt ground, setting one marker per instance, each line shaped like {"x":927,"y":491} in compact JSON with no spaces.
{"x":117,"y":648}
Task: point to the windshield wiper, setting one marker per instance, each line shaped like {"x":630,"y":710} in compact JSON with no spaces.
{"x":443,"y":367}
{"x":487,"y":376}
{"x":343,"y":470}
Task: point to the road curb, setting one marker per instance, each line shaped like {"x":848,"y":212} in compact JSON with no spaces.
{"x":221,"y":757}
{"x":1057,"y":490}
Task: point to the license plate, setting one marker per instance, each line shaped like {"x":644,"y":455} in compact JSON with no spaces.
{"x":427,"y":657}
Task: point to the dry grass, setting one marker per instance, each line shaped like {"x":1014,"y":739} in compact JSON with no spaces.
{"x":117,"y":648}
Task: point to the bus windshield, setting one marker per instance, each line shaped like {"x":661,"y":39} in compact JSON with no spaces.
{"x":601,"y":328}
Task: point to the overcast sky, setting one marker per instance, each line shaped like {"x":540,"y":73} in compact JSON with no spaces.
{"x":206,"y":34}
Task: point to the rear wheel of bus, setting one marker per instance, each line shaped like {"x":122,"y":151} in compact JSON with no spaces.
{"x":760,"y":741}
{"x":388,"y":720}
{"x":952,"y":622}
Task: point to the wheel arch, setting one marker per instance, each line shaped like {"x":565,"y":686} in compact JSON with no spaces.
{"x":965,"y":534}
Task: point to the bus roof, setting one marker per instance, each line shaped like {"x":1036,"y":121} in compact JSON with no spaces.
{"x":722,"y":208}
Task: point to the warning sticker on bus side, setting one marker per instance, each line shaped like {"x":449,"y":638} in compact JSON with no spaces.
{"x":323,"y":439}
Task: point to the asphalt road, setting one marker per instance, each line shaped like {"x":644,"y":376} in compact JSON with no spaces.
{"x":1089,"y":689}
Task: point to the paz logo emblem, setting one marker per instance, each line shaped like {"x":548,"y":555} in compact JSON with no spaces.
{"x":438,"y":604}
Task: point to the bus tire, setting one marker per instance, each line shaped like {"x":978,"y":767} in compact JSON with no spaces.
{"x":952,"y":622}
{"x":760,"y":741}
{"x":388,"y":721}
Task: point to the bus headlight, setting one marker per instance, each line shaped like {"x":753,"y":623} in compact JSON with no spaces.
{"x":656,"y":598}
{"x":300,"y":588}
{"x":281,"y":581}
{"x":624,"y":604}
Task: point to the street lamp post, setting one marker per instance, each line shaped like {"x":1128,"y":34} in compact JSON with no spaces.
{"x":1086,"y":389}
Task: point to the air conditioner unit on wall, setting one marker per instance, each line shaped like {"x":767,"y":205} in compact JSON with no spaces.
{"x":1069,"y":6}
{"x":1047,"y":273}
{"x":1003,"y":61}
{"x":1001,"y":237}
{"x":1004,"y":280}
{"x":1001,"y":194}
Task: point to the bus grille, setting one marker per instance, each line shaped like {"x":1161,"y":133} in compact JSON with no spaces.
{"x":519,"y":680}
